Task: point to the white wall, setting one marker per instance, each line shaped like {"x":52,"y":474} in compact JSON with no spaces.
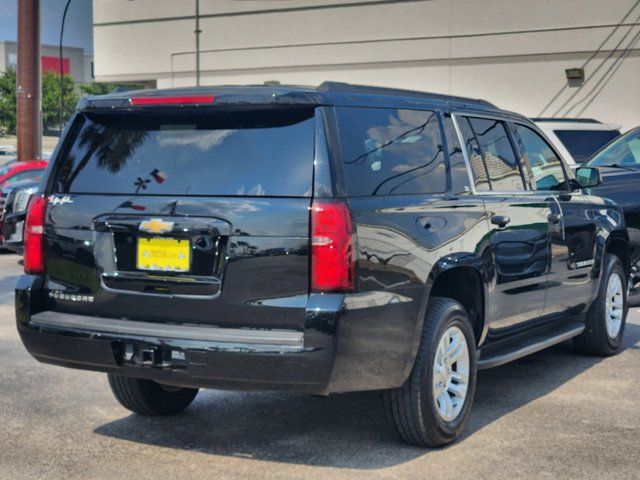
{"x":511,"y":52}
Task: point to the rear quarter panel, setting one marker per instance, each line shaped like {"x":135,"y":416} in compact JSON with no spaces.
{"x":402,"y":243}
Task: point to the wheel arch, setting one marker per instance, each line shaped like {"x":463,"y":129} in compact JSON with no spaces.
{"x":458,"y":275}
{"x":463,"y":284}
{"x":618,"y":244}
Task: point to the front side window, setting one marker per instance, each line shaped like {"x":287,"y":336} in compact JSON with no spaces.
{"x":391,"y":152}
{"x":546,"y":167}
{"x":624,"y":152}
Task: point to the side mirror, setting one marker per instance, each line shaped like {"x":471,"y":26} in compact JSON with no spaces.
{"x":588,"y":177}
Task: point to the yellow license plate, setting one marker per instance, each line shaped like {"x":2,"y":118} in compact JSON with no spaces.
{"x":163,"y":254}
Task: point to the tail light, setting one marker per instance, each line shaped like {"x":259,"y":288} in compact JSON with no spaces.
{"x":34,"y":235}
{"x":332,"y":248}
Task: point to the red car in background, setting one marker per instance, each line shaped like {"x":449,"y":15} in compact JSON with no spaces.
{"x":16,"y":172}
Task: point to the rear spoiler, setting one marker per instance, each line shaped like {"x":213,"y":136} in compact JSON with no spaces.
{"x":143,"y":101}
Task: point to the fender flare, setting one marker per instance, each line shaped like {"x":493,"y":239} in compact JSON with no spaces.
{"x":482,"y":264}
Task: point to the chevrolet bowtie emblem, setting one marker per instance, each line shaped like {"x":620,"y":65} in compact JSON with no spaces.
{"x":155,"y":225}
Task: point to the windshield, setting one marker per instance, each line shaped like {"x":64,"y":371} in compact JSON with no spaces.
{"x":623,"y":152}
{"x":250,"y":153}
{"x":581,"y":144}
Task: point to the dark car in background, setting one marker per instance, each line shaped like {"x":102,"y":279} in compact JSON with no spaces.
{"x":14,"y":214}
{"x":619,"y":165}
{"x":322,"y":240}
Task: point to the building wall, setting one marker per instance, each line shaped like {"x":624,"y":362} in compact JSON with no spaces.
{"x":80,"y":63}
{"x":511,"y":52}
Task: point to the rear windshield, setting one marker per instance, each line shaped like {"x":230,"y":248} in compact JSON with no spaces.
{"x":250,"y":153}
{"x":581,"y":144}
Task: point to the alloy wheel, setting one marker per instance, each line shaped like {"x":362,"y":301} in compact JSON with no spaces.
{"x":451,"y":374}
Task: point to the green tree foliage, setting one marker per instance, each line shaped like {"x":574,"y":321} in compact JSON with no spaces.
{"x":97,"y":88}
{"x":8,"y":102}
{"x":51,"y":99}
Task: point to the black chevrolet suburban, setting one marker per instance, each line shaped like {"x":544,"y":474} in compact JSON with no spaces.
{"x":321,"y":240}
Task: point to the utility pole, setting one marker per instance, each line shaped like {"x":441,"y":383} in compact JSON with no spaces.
{"x":197,"y":32}
{"x":64,"y":17}
{"x":28,"y":80}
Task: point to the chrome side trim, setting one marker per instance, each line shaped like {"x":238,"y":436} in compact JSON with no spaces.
{"x":100,"y":325}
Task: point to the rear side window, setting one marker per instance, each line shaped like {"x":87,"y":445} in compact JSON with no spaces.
{"x":581,"y":144}
{"x":500,"y":160}
{"x":478,"y":169}
{"x":258,"y":153}
{"x":391,"y":152}
{"x":457,"y":165}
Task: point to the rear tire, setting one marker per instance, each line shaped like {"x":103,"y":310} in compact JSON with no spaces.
{"x":607,"y":316}
{"x":428,"y":410}
{"x":150,"y":398}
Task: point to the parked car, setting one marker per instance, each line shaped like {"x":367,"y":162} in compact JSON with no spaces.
{"x":619,"y":164}
{"x":576,"y":139}
{"x":7,"y":154}
{"x":18,"y":171}
{"x":14,"y":214}
{"x":331,"y":239}
{"x":15,"y":172}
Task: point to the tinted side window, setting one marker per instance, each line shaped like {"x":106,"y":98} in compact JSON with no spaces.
{"x":546,"y":167}
{"x":499,"y":158}
{"x":479,"y":171}
{"x":457,"y":166}
{"x":391,"y":152}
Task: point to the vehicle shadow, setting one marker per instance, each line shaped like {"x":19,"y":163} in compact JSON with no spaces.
{"x":344,"y":431}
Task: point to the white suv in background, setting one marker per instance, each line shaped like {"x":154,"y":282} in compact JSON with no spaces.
{"x":577,"y":138}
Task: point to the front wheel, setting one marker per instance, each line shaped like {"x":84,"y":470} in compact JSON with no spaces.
{"x":608,"y":313}
{"x":433,"y":405}
{"x":150,"y":398}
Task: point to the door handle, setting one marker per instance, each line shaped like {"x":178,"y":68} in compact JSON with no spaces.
{"x":500,"y":220}
{"x":554,"y":217}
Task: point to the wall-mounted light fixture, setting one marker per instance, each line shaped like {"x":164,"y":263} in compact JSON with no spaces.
{"x":575,"y":74}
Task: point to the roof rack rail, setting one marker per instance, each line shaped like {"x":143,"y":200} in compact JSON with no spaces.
{"x":364,"y":89}
{"x":566,"y":120}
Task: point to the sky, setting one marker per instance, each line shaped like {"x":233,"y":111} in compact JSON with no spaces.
{"x":78,"y":29}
